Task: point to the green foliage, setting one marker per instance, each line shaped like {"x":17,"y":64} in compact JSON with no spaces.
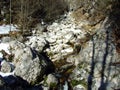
{"x":81,"y":82}
{"x":75,"y":82}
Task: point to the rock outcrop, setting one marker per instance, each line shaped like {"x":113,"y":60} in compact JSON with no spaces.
{"x":90,"y":48}
{"x":96,"y":58}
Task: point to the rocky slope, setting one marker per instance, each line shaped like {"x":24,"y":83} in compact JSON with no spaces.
{"x":75,"y":52}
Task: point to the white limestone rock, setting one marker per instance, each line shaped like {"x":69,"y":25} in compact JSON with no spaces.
{"x":51,"y":79}
{"x":6,"y":67}
{"x":60,"y":35}
{"x":36,"y":42}
{"x":79,"y":87}
{"x":29,"y":64}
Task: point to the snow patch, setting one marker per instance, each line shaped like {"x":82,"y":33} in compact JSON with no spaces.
{"x":65,"y":87}
{"x":4,"y":29}
{"x":4,"y":46}
{"x":6,"y":74}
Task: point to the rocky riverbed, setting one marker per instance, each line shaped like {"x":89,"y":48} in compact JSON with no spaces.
{"x":68,"y":54}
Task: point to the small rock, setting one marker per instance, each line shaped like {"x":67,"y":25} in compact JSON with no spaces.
{"x":45,"y":88}
{"x":69,"y":36}
{"x":14,"y":45}
{"x":67,"y":51}
{"x":5,"y":67}
{"x":30,"y":70}
{"x":39,"y":29}
{"x":51,"y":80}
{"x":37,"y":42}
{"x":30,"y":65}
{"x":5,"y":39}
{"x":79,"y":87}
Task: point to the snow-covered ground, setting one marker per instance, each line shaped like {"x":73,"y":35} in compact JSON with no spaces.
{"x":4,"y":29}
{"x":6,"y":74}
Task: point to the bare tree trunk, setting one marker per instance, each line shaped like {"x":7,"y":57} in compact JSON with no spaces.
{"x":10,"y":15}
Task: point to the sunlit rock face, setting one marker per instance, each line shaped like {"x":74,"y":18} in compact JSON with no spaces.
{"x":89,"y":47}
{"x":95,"y":62}
{"x":6,"y":67}
{"x":79,"y":43}
{"x":37,"y":42}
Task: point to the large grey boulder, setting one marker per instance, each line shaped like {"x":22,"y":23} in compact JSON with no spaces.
{"x":31,"y":70}
{"x":95,"y":60}
{"x":29,"y":64}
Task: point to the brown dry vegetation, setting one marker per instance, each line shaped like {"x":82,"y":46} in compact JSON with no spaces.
{"x":27,"y":13}
{"x":92,"y":10}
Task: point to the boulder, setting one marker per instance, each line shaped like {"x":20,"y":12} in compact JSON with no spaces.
{"x":37,"y":42}
{"x":51,"y":80}
{"x":6,"y":39}
{"x":30,"y":70}
{"x":5,"y":67}
{"x":79,"y":87}
{"x":30,"y":65}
